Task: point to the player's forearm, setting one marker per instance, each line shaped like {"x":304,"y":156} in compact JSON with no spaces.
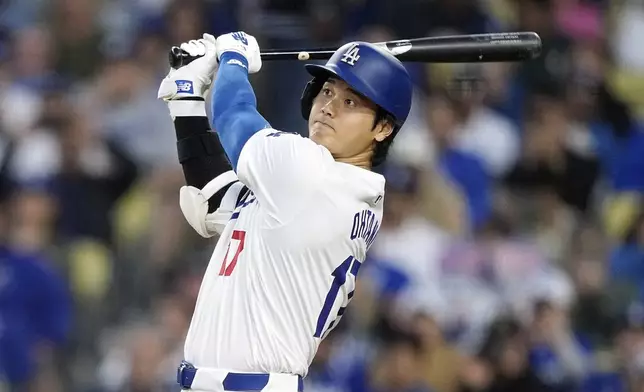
{"x":234,"y":106}
{"x":200,"y":152}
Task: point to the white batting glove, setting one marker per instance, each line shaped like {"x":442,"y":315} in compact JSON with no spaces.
{"x":195,"y":78}
{"x":244,"y":44}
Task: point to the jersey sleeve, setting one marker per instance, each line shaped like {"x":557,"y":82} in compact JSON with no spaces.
{"x":282,"y":170}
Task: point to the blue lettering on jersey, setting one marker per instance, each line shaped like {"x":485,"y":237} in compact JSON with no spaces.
{"x":365,"y":226}
{"x":248,"y":199}
{"x":279,"y":133}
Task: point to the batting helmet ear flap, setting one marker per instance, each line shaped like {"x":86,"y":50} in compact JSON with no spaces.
{"x":311,"y":91}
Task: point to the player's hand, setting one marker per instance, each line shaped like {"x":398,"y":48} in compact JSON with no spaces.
{"x":195,"y":78}
{"x":244,"y":44}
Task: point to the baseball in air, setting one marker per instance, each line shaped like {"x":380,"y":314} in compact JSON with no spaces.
{"x":302,"y":56}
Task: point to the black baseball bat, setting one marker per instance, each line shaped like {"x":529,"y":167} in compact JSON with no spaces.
{"x":495,"y":47}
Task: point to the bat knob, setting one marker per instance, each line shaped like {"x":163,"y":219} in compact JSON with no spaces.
{"x":303,"y":56}
{"x":179,"y":57}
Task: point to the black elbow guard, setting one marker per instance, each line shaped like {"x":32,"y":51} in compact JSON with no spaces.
{"x":199,"y":150}
{"x":195,"y":140}
{"x":199,"y":146}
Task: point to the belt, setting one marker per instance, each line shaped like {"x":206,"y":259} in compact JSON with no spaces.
{"x":232,"y":381}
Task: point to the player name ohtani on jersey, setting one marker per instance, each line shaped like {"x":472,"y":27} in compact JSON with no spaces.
{"x":365,"y":226}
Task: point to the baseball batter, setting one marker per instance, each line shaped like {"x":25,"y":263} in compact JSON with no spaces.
{"x":295,"y":215}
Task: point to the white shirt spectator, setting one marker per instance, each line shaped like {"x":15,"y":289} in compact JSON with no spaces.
{"x":492,"y":137}
{"x":415,"y":248}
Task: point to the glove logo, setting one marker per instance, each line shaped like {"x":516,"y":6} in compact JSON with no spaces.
{"x":236,"y":62}
{"x":185,"y":86}
{"x":240,"y":36}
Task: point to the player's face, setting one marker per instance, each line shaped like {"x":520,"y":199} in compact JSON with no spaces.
{"x":343,"y":121}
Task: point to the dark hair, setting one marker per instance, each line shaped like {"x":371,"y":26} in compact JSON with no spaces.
{"x":501,"y":330}
{"x":403,"y":338}
{"x":614,"y":111}
{"x":382,"y":148}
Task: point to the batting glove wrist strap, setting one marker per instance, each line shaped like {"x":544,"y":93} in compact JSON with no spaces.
{"x":234,"y":58}
{"x":187,"y":107}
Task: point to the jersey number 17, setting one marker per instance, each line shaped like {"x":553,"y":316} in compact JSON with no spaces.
{"x":344,"y":278}
{"x":238,"y":238}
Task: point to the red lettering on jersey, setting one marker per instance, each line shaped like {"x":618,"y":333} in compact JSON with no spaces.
{"x":240,"y":236}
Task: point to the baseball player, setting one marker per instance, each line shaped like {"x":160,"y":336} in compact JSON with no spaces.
{"x":295,"y":216}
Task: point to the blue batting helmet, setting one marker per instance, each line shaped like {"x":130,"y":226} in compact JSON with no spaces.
{"x":371,"y":72}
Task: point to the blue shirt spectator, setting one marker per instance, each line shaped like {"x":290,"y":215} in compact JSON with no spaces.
{"x":628,"y":171}
{"x":469,"y":174}
{"x":34,"y":308}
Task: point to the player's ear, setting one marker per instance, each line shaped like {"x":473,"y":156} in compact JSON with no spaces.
{"x":383,"y":130}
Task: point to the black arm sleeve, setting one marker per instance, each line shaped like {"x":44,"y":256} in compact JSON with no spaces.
{"x":201,"y":155}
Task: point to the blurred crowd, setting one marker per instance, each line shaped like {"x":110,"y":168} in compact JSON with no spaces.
{"x":511,"y":256}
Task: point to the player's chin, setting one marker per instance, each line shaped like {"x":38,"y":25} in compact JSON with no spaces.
{"x":321,"y":136}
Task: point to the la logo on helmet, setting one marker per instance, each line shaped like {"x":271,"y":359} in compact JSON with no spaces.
{"x":351,"y":55}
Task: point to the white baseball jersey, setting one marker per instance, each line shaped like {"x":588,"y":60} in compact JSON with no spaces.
{"x":286,"y":263}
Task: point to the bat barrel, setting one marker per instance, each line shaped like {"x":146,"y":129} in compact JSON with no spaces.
{"x":499,"y":47}
{"x":476,"y":48}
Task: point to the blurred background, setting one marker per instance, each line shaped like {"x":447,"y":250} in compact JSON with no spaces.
{"x":511,"y":256}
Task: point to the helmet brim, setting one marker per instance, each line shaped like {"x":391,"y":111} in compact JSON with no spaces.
{"x":321,"y":71}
